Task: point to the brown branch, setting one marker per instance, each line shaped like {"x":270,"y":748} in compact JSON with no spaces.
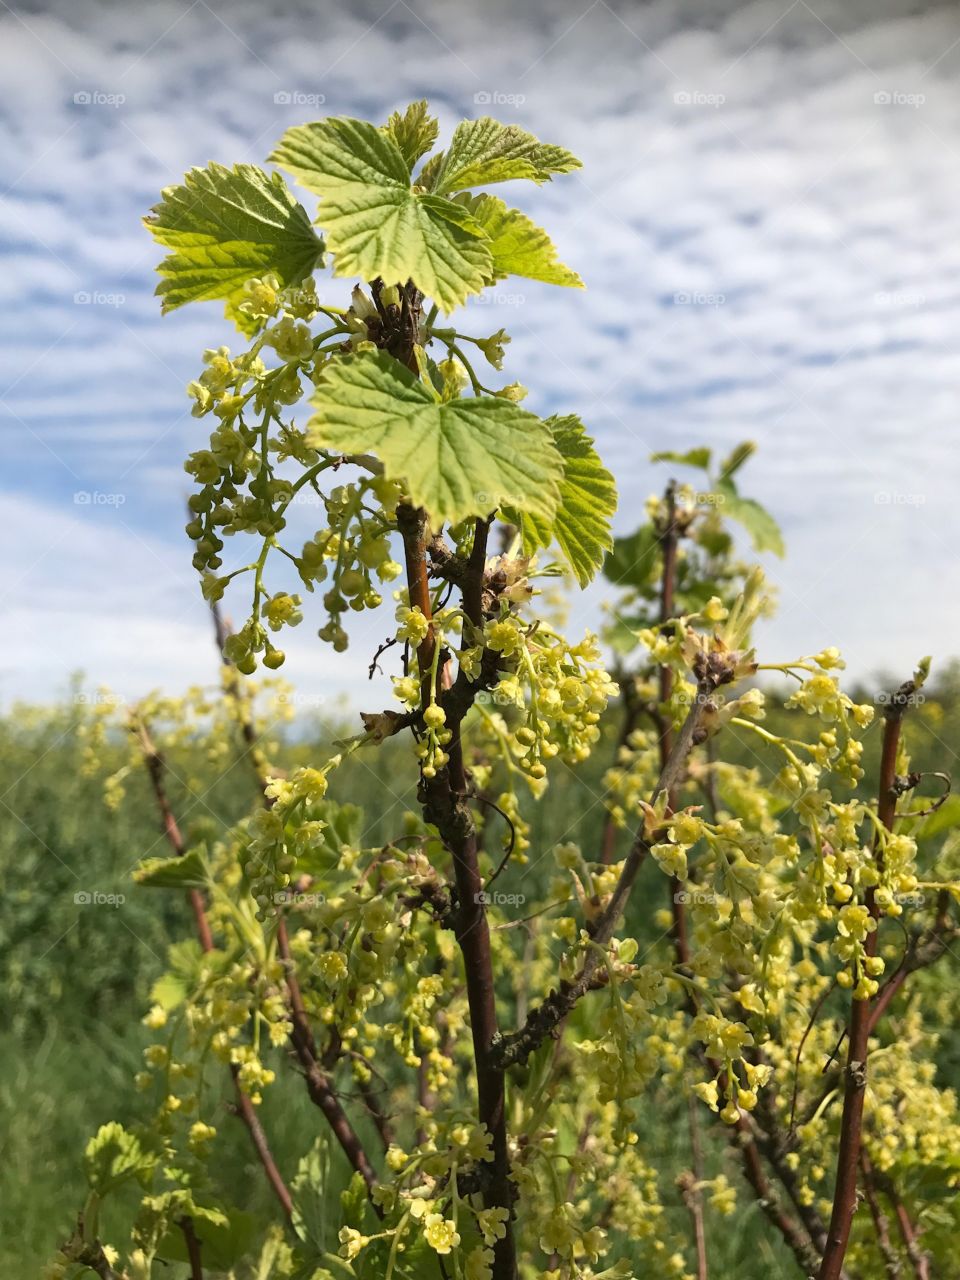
{"x":92,"y":1256}
{"x":156,"y":771}
{"x":749,"y":1138}
{"x":923,"y":950}
{"x":908,"y":1232}
{"x":859,"y":1025}
{"x":247,"y":1112}
{"x":546,"y":1017}
{"x":376,"y":1113}
{"x":319,"y":1085}
{"x":193,"y":1247}
{"x":244,"y":1107}
{"x":322,"y":1095}
{"x":669,"y":538}
{"x":795,"y":1237}
{"x":692,"y":1195}
{"x":881,"y":1226}
{"x":444,"y":800}
{"x":775,"y":1145}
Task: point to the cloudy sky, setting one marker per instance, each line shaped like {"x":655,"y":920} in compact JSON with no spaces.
{"x":766,"y":221}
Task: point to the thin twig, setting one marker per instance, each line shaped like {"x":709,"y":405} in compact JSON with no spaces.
{"x":244,"y":1107}
{"x":319,"y":1085}
{"x":546,"y":1017}
{"x":794,"y":1236}
{"x":799,"y":1054}
{"x":923,"y":950}
{"x":881,"y":1226}
{"x":193,"y":1247}
{"x":692,"y":1195}
{"x":859,"y":1025}
{"x":908,"y":1232}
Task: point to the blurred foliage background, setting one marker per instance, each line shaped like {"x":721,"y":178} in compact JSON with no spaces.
{"x":77,"y":975}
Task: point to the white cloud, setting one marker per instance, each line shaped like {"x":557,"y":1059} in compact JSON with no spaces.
{"x":821,"y":218}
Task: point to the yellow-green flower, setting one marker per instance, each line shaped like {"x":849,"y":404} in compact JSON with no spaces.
{"x":440,"y":1233}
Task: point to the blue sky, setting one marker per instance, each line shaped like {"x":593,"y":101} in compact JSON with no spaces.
{"x":766,"y":221}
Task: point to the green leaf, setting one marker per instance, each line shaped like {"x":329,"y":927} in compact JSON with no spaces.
{"x":588,"y":499}
{"x":169,"y":991}
{"x":375,"y":224}
{"x":186,"y":958}
{"x":309,"y":1192}
{"x":736,"y":458}
{"x":463,"y":458}
{"x":692,"y":458}
{"x":484,"y":151}
{"x":414,"y":132}
{"x":112,"y":1156}
{"x":345,"y":823}
{"x":942,"y":819}
{"x":741,"y":800}
{"x":342,"y":826}
{"x":518,"y":246}
{"x":187,"y":872}
{"x":353,"y":1203}
{"x":759,"y":523}
{"x":621,"y":634}
{"x":634,"y":560}
{"x":225,"y":1236}
{"x":270,"y":1265}
{"x":454,"y":213}
{"x":227,"y":226}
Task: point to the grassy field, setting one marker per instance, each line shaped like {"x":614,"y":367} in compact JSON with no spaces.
{"x":76,"y":976}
